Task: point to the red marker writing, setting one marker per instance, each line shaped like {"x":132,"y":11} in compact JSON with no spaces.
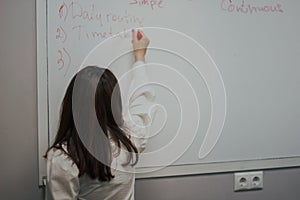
{"x":139,"y":35}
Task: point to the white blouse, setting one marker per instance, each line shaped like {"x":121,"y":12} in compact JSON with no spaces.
{"x":63,"y":182}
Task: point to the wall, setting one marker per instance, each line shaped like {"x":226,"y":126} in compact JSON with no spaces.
{"x":278,"y":185}
{"x":18,"y":118}
{"x":18,"y":133}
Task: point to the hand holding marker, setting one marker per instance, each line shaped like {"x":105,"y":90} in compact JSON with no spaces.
{"x":140,"y":43}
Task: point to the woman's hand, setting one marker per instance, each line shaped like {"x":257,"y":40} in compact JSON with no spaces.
{"x":139,"y":45}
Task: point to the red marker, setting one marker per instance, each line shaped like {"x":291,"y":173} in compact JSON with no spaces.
{"x":139,"y":35}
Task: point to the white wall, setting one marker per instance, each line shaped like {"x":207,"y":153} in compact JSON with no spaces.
{"x":18,"y":133}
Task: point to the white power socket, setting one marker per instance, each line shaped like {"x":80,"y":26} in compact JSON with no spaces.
{"x":248,"y":181}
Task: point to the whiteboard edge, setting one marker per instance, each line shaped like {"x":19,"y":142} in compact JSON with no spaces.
{"x":42,"y":86}
{"x":221,"y":167}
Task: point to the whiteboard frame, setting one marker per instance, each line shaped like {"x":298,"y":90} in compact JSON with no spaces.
{"x":217,"y":167}
{"x":173,"y":170}
{"x":42,"y":86}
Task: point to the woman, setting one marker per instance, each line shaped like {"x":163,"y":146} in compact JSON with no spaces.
{"x":82,"y":167}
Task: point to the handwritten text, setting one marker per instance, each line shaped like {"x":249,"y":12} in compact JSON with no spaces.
{"x":249,"y":8}
{"x":150,"y":3}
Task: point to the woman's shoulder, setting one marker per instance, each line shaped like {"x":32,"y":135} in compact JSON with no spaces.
{"x":58,"y":158}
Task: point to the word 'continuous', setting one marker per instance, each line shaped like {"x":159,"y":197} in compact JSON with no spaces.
{"x":249,"y":8}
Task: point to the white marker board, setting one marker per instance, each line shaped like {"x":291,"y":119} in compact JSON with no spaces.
{"x":241,"y":59}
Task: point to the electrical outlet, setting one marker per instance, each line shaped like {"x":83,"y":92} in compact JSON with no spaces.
{"x":248,"y":181}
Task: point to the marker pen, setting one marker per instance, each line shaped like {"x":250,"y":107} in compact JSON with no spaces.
{"x":139,"y":35}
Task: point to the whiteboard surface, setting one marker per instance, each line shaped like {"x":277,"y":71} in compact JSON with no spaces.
{"x":251,"y":47}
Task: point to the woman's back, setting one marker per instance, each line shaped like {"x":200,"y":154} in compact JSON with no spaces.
{"x":73,"y":169}
{"x":120,"y":187}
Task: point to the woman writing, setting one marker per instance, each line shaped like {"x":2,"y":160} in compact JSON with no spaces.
{"x":74,"y":171}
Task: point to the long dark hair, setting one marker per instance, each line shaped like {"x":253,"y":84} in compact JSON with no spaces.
{"x":108,"y":109}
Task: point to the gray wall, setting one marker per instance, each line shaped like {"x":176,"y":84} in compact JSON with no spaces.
{"x":278,"y":185}
{"x":18,"y":123}
{"x":18,"y":110}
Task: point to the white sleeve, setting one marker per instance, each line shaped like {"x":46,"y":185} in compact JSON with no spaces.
{"x":140,"y":104}
{"x":62,"y":177}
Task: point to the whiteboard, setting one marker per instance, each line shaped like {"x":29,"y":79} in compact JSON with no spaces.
{"x":226,"y":75}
